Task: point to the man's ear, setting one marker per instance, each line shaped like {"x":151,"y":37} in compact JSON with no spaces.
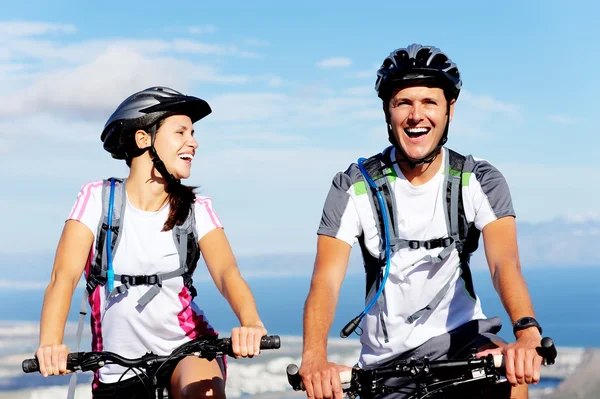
{"x":386,"y":111}
{"x":451,"y":109}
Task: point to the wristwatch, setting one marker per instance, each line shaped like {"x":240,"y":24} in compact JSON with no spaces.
{"x":526,"y":322}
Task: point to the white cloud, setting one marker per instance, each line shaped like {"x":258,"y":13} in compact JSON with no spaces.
{"x":581,"y":216}
{"x":22,"y":285}
{"x":334,"y":62}
{"x":14,"y":29}
{"x":238,"y":107}
{"x":79,"y":52}
{"x":253,"y":135}
{"x":542,"y":192}
{"x":197,"y":47}
{"x":365,"y":91}
{"x":200,"y":30}
{"x":274,"y":81}
{"x":250,"y":41}
{"x":93,"y":89}
{"x":489,"y":104}
{"x":275,"y":188}
{"x":363,"y":75}
{"x":474,"y":114}
{"x":248,"y":54}
{"x":562,"y":119}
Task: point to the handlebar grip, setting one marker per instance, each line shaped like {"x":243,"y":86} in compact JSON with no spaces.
{"x":548,"y":350}
{"x":294,"y":378}
{"x":296,"y":383}
{"x":345,"y":377}
{"x":30,"y":365}
{"x":270,"y":342}
{"x":499,"y":361}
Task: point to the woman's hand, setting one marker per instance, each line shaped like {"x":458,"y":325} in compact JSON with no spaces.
{"x":53,"y":359}
{"x":245,"y":340}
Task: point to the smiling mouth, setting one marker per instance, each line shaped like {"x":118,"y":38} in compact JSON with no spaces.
{"x":415,"y":132}
{"x":186,"y":157}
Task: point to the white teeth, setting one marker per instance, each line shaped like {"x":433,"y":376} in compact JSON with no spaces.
{"x":418,"y":130}
{"x":186,"y":156}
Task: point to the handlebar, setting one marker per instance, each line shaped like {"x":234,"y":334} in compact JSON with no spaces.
{"x":415,"y":368}
{"x":203,"y":347}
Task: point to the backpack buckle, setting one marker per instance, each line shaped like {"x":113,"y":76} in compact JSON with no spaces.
{"x":432,"y":243}
{"x":414,"y":244}
{"x":446,"y":242}
{"x":93,"y":281}
{"x":153,"y":280}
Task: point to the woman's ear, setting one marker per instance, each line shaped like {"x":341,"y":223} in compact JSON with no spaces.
{"x":142,"y":139}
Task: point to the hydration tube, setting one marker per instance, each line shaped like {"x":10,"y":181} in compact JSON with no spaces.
{"x":110,"y":273}
{"x":353,"y":324}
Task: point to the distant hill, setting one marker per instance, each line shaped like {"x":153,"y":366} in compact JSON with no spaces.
{"x":553,"y":243}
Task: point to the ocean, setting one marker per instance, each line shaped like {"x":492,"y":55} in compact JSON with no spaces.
{"x":566,"y":300}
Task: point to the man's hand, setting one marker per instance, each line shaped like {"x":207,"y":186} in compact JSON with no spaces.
{"x":321,"y":378}
{"x":521,"y":359}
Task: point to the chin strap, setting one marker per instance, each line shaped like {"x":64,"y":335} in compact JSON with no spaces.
{"x":162,"y":169}
{"x":158,"y":163}
{"x":405,"y":159}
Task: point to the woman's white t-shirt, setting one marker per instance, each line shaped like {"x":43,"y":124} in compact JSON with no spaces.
{"x":171,"y":318}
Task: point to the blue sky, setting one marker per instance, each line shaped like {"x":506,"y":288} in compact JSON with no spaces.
{"x":291,"y":86}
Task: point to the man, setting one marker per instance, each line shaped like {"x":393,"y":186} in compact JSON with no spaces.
{"x":417,"y":210}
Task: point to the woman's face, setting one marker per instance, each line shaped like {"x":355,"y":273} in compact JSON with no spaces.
{"x":176,"y":146}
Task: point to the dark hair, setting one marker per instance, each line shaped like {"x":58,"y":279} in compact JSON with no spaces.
{"x":181,"y":197}
{"x":181,"y":200}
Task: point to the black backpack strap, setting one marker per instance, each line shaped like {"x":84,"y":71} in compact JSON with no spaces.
{"x":186,"y":240}
{"x":468,"y":233}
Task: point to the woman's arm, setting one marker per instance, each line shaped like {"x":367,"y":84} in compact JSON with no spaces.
{"x":226,"y":275}
{"x":70,"y":260}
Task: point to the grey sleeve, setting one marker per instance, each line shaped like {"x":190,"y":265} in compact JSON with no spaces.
{"x":339,"y":218}
{"x":492,"y":200}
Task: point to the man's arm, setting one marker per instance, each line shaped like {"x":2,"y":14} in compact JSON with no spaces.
{"x":320,"y":377}
{"x":500,"y":240}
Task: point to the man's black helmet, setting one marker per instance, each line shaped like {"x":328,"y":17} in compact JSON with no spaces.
{"x":414,"y":65}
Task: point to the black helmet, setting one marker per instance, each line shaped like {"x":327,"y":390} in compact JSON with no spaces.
{"x":143,"y":110}
{"x":417,"y":64}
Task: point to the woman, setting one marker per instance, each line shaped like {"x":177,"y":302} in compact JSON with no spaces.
{"x":148,"y":305}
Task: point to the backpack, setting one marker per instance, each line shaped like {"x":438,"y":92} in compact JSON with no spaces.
{"x":462,"y":236}
{"x":100,"y":272}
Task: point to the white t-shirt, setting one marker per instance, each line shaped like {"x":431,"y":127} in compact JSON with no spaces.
{"x":171,"y":318}
{"x":412,"y":282}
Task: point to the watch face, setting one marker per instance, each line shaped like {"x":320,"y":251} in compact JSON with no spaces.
{"x":526,"y":321}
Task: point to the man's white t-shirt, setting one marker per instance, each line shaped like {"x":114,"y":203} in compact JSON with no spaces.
{"x":413,"y":282}
{"x":171,"y":318}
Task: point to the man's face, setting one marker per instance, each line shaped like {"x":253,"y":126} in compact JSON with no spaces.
{"x":418,"y":116}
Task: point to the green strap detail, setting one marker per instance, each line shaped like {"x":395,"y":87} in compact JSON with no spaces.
{"x":466,"y":176}
{"x":360,"y":188}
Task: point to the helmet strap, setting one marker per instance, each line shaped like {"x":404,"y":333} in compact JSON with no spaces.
{"x":158,"y":163}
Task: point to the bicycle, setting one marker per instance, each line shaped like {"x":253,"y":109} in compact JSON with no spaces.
{"x":432,"y":377}
{"x":150,"y":365}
